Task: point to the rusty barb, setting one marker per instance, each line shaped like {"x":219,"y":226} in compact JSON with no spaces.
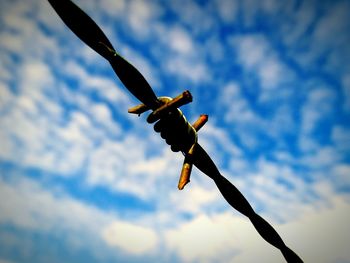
{"x":157,"y":114}
{"x":91,"y":34}
{"x":182,"y":99}
{"x":188,"y":162}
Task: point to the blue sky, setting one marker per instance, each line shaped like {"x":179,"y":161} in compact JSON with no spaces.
{"x":81,"y":180}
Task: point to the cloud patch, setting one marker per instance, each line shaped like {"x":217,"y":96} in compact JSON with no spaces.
{"x":131,"y":238}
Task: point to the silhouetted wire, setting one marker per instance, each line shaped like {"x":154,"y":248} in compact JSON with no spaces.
{"x":89,"y":32}
{"x":236,"y":199}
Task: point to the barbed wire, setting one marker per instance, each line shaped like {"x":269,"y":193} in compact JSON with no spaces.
{"x":175,"y":122}
{"x":186,"y":137}
{"x":236,"y":199}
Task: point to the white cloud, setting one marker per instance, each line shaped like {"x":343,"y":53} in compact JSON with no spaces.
{"x":193,"y":70}
{"x":27,"y":117}
{"x":331,"y":27}
{"x":10,"y":42}
{"x":107,"y":89}
{"x":17,"y":37}
{"x":346,"y":92}
{"x":113,"y":8}
{"x":318,"y":106}
{"x":35,"y":74}
{"x":141,"y":13}
{"x":39,"y":132}
{"x":249,"y":12}
{"x":190,"y":13}
{"x":341,"y":137}
{"x":271,"y":73}
{"x":131,"y":238}
{"x":203,"y":239}
{"x":5,"y":72}
{"x":180,"y":41}
{"x":256,"y":54}
{"x":279,"y":191}
{"x":195,"y":198}
{"x":300,"y":21}
{"x":251,"y":50}
{"x":124,"y":166}
{"x":16,"y":18}
{"x":6,"y":261}
{"x":46,"y":14}
{"x":321,"y":98}
{"x":31,"y":206}
{"x":107,"y":163}
{"x":281,"y":123}
{"x":318,"y":236}
{"x":239,"y":109}
{"x":6,"y":97}
{"x":240,"y":116}
{"x":215,"y":48}
{"x":217,"y":141}
{"x":321,"y":157}
{"x":102,"y":114}
{"x":153,"y":165}
{"x":340,"y":175}
{"x":228,"y":10}
{"x":313,"y":36}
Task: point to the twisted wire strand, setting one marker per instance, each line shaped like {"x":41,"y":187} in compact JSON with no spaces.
{"x":92,"y":35}
{"x":236,"y":199}
{"x":230,"y":192}
{"x":89,"y":32}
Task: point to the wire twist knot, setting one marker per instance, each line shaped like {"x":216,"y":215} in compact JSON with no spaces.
{"x":175,"y":129}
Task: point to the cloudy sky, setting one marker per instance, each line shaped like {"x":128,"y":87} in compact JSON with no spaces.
{"x":81,"y":180}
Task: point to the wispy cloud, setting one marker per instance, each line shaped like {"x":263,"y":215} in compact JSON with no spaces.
{"x":131,"y":238}
{"x":31,"y":207}
{"x":319,"y":105}
{"x":274,"y":79}
{"x":229,"y":238}
{"x":261,"y":60}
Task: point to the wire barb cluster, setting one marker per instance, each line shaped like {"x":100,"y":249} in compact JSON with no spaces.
{"x":194,"y":154}
{"x":170,"y":105}
{"x":163,"y":110}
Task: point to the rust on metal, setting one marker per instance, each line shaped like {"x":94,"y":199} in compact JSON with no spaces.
{"x":199,"y":123}
{"x":180,"y":100}
{"x":177,"y":102}
{"x":185,"y":174}
{"x":90,"y":33}
{"x":188,"y":162}
{"x":138,"y":109}
{"x":186,"y":168}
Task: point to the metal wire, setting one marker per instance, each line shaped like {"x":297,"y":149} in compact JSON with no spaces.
{"x":89,"y":32}
{"x":236,"y":199}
